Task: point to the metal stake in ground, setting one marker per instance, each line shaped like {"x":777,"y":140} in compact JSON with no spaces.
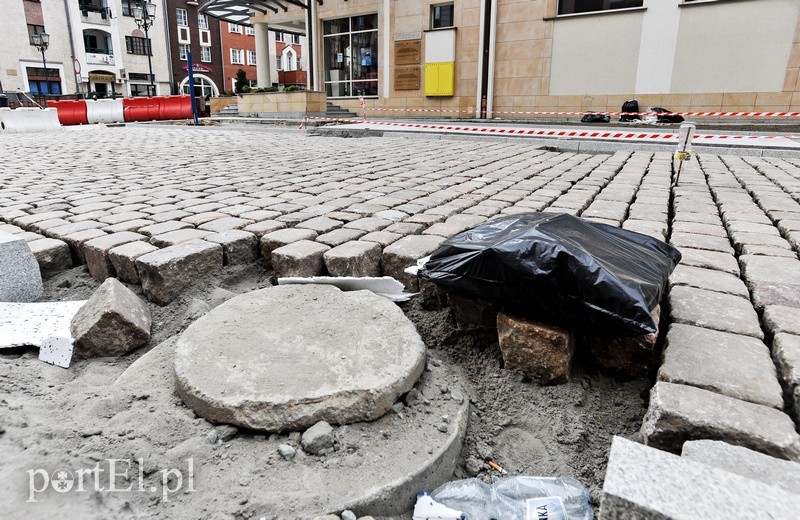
{"x":684,"y":151}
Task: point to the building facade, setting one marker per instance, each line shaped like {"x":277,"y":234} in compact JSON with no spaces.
{"x":191,"y":31}
{"x":488,"y":57}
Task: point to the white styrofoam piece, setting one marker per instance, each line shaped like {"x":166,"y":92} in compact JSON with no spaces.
{"x":414,"y":269}
{"x":44,"y":325}
{"x":385,"y":286}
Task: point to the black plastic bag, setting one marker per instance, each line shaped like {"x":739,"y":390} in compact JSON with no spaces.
{"x":630,"y":107}
{"x":559,"y":268}
{"x":594,"y":117}
{"x":665,"y":116}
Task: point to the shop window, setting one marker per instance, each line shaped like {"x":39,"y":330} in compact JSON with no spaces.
{"x":142,"y":90}
{"x":442,"y":16}
{"x":351,"y":56}
{"x":588,"y":6}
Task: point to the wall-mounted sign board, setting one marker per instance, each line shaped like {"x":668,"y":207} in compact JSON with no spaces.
{"x":406,"y":78}
{"x":407,"y":52}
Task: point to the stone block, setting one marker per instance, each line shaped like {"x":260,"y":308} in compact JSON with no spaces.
{"x":20,"y":278}
{"x":164,"y":227}
{"x":709,"y":279}
{"x":626,"y":357}
{"x":472,"y":314}
{"x":713,"y":310}
{"x":338,"y":237}
{"x":320,"y":224}
{"x":747,"y":463}
{"x":642,"y":483}
{"x":280,"y":238}
{"x":354,"y":259}
{"x":76,"y":240}
{"x":433,"y":297}
{"x":543,"y":352}
{"x":260,"y":229}
{"x":238,"y":247}
{"x":680,"y":413}
{"x":129,"y":225}
{"x":786,"y":352}
{"x":123,"y":258}
{"x":405,"y":228}
{"x":729,"y":364}
{"x":405,"y":253}
{"x":772,"y":280}
{"x":96,"y":252}
{"x":778,"y":318}
{"x":303,"y":258}
{"x":113,"y":322}
{"x":178,"y":236}
{"x":167,"y":272}
{"x":384,"y":238}
{"x":225,"y":224}
{"x":52,"y":255}
{"x":369,"y":224}
{"x":710,"y":260}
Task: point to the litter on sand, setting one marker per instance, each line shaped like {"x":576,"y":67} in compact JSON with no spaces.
{"x":43,"y":325}
{"x":385,"y":286}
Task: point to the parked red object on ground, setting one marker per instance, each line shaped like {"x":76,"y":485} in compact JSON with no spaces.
{"x":142,"y":108}
{"x":176,"y":107}
{"x":70,"y":112}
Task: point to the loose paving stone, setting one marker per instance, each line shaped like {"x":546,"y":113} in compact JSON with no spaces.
{"x":76,"y":240}
{"x":714,"y":310}
{"x":163,"y":228}
{"x":678,"y":413}
{"x":354,"y":259}
{"x":20,"y":277}
{"x":703,"y":242}
{"x":786,"y":351}
{"x":772,"y":280}
{"x":342,"y":367}
{"x":405,"y":228}
{"x":710,"y":260}
{"x":96,"y":252}
{"x":280,"y":238}
{"x":238,"y":247}
{"x":747,"y":463}
{"x":405,"y":253}
{"x":53,"y":256}
{"x":542,"y":352}
{"x":778,"y":319}
{"x":260,"y":229}
{"x":304,"y":258}
{"x":167,"y":272}
{"x":338,"y":237}
{"x":178,"y":236}
{"x":368,"y":224}
{"x":729,"y":364}
{"x":709,"y":279}
{"x":645,"y":483}
{"x":469,"y":314}
{"x":384,"y":238}
{"x":225,"y":224}
{"x":626,"y":357}
{"x":320,"y":224}
{"x":130,"y":225}
{"x":113,"y":322}
{"x":68,"y":229}
{"x":123,"y":258}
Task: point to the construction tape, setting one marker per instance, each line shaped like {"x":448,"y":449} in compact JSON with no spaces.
{"x":568,"y":113}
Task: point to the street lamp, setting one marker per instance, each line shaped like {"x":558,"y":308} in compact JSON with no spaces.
{"x":144,"y":14}
{"x":41,"y":41}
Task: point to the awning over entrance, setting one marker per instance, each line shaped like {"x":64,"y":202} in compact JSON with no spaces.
{"x":238,"y":11}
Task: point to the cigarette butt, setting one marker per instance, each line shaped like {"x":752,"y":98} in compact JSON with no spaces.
{"x":496,"y":467}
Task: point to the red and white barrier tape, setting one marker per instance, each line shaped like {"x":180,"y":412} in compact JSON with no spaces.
{"x":567,"y":113}
{"x":487,"y":130}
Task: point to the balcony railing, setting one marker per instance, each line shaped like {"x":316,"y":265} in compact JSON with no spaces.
{"x":96,"y":15}
{"x":99,"y":56}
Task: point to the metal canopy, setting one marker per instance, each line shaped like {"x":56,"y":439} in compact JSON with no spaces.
{"x":238,"y":11}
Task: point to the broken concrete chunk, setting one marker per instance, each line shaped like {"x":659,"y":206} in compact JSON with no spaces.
{"x":167,"y":272}
{"x":357,"y":259}
{"x":123,"y":258}
{"x":96,"y":252}
{"x":318,"y":439}
{"x":238,"y":247}
{"x":302,"y":258}
{"x":747,"y":463}
{"x":678,"y":413}
{"x":404,"y":253}
{"x":113,"y":322}
{"x":729,"y":364}
{"x":626,"y":357}
{"x":543,"y":352}
{"x":20,"y":278}
{"x":645,"y":483}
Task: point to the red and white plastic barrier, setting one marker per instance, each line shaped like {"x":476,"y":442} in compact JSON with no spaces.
{"x":25,"y":120}
{"x":129,"y":110}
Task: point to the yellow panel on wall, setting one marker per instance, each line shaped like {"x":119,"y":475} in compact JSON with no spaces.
{"x":440,"y":78}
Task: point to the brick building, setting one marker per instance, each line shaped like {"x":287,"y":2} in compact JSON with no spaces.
{"x":190,"y":31}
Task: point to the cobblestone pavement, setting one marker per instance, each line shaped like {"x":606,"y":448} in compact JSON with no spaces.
{"x":161,"y":206}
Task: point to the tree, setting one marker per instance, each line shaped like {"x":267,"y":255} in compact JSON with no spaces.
{"x":241,"y":81}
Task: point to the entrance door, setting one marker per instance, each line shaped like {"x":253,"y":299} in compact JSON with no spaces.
{"x":101,"y":89}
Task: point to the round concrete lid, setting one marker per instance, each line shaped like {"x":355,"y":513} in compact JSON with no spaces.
{"x":286,"y":357}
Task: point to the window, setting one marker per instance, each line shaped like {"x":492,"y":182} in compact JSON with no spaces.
{"x":237,"y":56}
{"x":202,"y":21}
{"x":183,"y":52}
{"x":442,"y":16}
{"x":33,"y":30}
{"x":182,"y":17}
{"x":127,"y":7}
{"x":588,"y":6}
{"x":253,"y":83}
{"x":203,"y":86}
{"x":205,"y":54}
{"x":234,"y":28}
{"x":251,"y":57}
{"x":184,"y":35}
{"x":138,"y":90}
{"x":296,"y":38}
{"x":350,"y":61}
{"x":136,"y":45}
{"x":205,"y":37}
{"x":280,"y":62}
{"x":250,"y":30}
{"x":44,"y":82}
{"x":138,"y":76}
{"x":279,"y":36}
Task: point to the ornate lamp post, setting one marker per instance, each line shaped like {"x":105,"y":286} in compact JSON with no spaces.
{"x":144,"y":14}
{"x":41,"y":41}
